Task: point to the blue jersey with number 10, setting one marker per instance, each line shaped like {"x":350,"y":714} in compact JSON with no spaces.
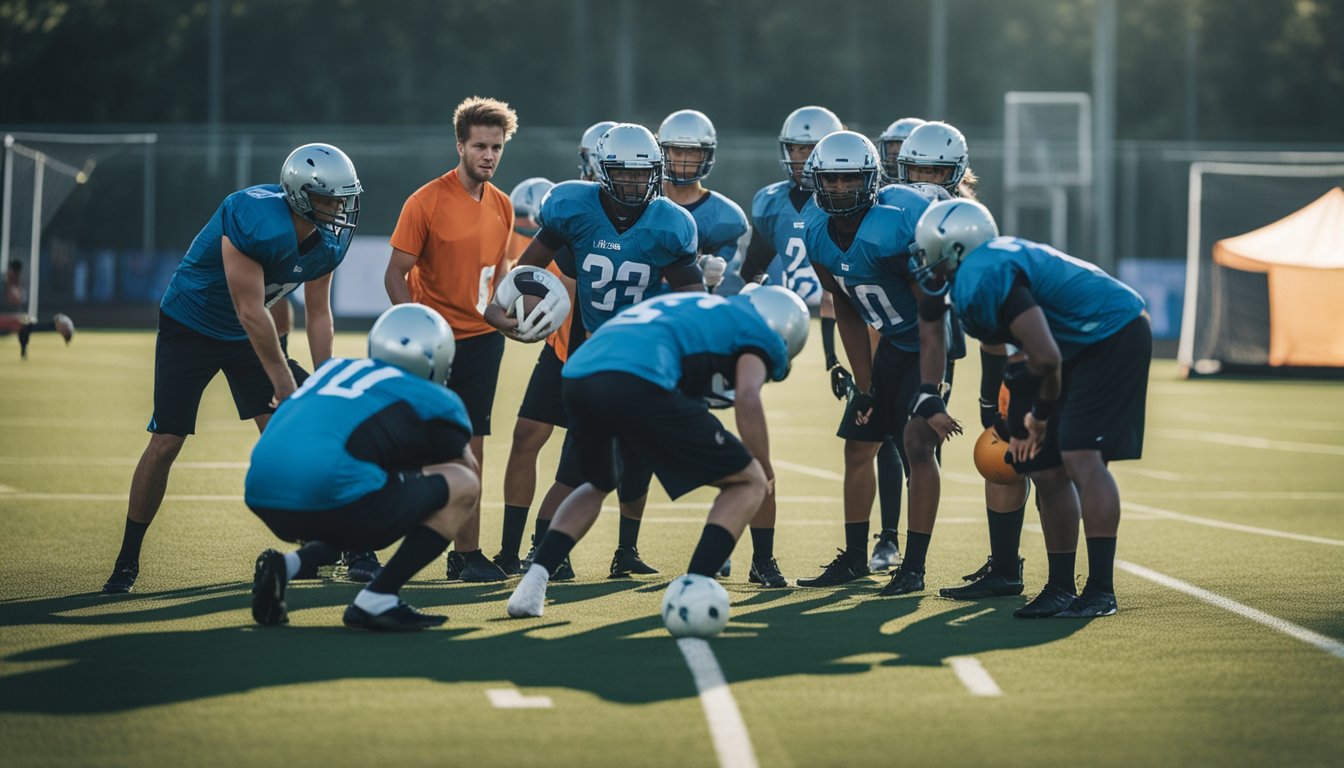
{"x":616,"y":270}
{"x":301,"y":462}
{"x":678,"y":341}
{"x":873,"y":273}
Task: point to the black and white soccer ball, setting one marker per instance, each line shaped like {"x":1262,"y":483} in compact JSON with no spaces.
{"x":695,"y":606}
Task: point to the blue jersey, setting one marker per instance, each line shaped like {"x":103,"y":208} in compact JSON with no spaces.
{"x":301,"y":462}
{"x":678,"y":341}
{"x":874,"y":273}
{"x":719,"y":225}
{"x":614,"y":269}
{"x":257,"y":222}
{"x":774,"y":216}
{"x":1082,"y":304}
{"x":904,"y":197}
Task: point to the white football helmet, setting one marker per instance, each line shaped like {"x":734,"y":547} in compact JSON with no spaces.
{"x":691,"y":129}
{"x":889,"y":145}
{"x":783,"y":311}
{"x":527,"y":196}
{"x":629,"y":147}
{"x":804,"y":125}
{"x":844,"y":153}
{"x":321,"y":169}
{"x":547,"y":316}
{"x":416,"y":339}
{"x":946,"y":232}
{"x":587,"y":144}
{"x":934,"y":145}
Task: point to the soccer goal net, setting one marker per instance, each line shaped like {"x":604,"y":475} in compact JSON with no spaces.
{"x":42,"y":171}
{"x":1047,"y":151}
{"x":1226,"y":323}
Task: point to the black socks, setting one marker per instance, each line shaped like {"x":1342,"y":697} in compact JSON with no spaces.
{"x":420,"y":548}
{"x":1005,"y":536}
{"x":715,"y":547}
{"x":131,"y":540}
{"x":515,"y":522}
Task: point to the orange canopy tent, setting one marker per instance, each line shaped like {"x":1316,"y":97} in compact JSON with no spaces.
{"x":1302,"y":256}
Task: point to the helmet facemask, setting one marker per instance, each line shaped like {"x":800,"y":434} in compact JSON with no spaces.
{"x":686,"y":171}
{"x":844,"y":192}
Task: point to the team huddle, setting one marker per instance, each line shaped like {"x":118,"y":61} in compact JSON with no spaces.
{"x":655,"y":302}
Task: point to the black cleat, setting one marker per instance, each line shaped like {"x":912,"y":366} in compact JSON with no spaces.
{"x":360,"y":567}
{"x":903,"y":582}
{"x":989,"y":585}
{"x":476,"y":568}
{"x":626,"y":562}
{"x":1091,"y":604}
{"x":509,"y":564}
{"x":122,"y":578}
{"x":402,"y":618}
{"x":456,"y":562}
{"x":989,"y":566}
{"x":268,"y":590}
{"x":726,"y":569}
{"x":1049,"y":603}
{"x":565,"y":571}
{"x":766,"y":573}
{"x":843,"y":569}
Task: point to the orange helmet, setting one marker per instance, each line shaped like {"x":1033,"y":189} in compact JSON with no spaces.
{"x":991,"y":458}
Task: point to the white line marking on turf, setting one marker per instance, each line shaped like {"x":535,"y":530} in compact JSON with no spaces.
{"x":968,"y":617}
{"x":1156,"y":474}
{"x":803,"y":469}
{"x":108,"y":461}
{"x":512,"y":698}
{"x":1328,"y":644}
{"x":105,"y":497}
{"x":731,"y":741}
{"x":1247,"y":441}
{"x":974,"y":676}
{"x":1166,"y":513}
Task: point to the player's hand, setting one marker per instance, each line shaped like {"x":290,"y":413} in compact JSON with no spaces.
{"x":1026,"y":448}
{"x":769,"y":486}
{"x":713,"y":268}
{"x":944,"y":426}
{"x":283,"y":391}
{"x":842,"y":382}
{"x":863,"y":404}
{"x":499,"y":319}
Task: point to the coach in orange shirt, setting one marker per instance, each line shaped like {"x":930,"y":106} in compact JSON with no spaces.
{"x":449,"y":245}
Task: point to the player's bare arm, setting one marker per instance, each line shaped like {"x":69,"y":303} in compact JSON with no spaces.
{"x":750,"y":376}
{"x":1043,"y":360}
{"x":854,"y":336}
{"x":318,"y":321}
{"x":247,"y":288}
{"x":933,"y":362}
{"x":537,"y":254}
{"x":394,"y":279}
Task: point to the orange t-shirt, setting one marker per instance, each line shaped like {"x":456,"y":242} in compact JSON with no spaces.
{"x":458,"y":243}
{"x":559,"y":340}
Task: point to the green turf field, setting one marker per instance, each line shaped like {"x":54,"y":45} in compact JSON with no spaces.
{"x":1239,"y":495}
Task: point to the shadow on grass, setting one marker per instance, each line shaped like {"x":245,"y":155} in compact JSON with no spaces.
{"x":621,"y":662}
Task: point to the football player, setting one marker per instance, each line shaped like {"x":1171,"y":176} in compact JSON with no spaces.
{"x":640,"y":382}
{"x":861,"y":253}
{"x":1078,"y":405}
{"x":17,"y":321}
{"x":365,"y":453}
{"x":260,"y":244}
{"x":889,"y":146}
{"x":588,"y":145}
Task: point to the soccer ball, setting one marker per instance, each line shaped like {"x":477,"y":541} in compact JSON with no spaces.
{"x":695,"y":606}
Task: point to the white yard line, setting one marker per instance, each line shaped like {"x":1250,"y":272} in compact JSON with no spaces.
{"x":803,"y":469}
{"x":1247,"y":441}
{"x":104,"y":497}
{"x":1328,"y":644}
{"x":1156,"y":474}
{"x":973,"y":676}
{"x":512,"y":698}
{"x":732,"y":743}
{"x":1168,"y":514}
{"x":109,"y":461}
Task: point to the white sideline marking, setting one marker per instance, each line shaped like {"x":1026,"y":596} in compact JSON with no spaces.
{"x":732,"y":743}
{"x":1230,"y":526}
{"x":512,"y":698}
{"x":1246,"y":441}
{"x":803,"y":469}
{"x":973,"y":676}
{"x":105,"y":497}
{"x":109,"y":461}
{"x":1156,"y":474}
{"x":1328,"y":644}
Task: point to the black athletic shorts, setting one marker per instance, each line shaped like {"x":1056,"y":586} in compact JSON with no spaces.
{"x":896,"y":381}
{"x":634,"y":472}
{"x":1103,"y":401}
{"x":186,"y":360}
{"x":683,"y":443}
{"x":542,"y":402}
{"x":374,"y":521}
{"x":476,"y":375}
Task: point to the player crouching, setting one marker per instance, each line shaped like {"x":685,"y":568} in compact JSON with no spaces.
{"x":641,"y":380}
{"x":367,"y":452}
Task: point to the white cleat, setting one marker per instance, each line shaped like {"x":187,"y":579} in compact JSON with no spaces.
{"x":64,"y":326}
{"x":529,"y":597}
{"x":886,"y":553}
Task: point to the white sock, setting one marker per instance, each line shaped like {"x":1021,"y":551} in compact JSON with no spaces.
{"x":375,"y":603}
{"x":291,"y":565}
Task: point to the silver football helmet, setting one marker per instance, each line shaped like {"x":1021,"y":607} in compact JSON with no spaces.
{"x":689,"y":129}
{"x":889,"y":145}
{"x":834,"y":161}
{"x":527,"y":196}
{"x":630,"y":152}
{"x":783,"y":311}
{"x":946,"y":232}
{"x":588,"y":171}
{"x":416,"y":339}
{"x":805,"y":126}
{"x":325,"y":171}
{"x":934,"y":145}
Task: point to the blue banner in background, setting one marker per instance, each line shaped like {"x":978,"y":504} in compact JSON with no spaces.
{"x":1161,"y":283}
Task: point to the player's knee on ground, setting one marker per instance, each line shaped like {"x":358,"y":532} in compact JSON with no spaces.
{"x":859,"y":453}
{"x":920,"y":442}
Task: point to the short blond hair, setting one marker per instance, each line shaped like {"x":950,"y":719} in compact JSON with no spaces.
{"x":478,"y":110}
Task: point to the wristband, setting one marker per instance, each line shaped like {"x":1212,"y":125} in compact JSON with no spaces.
{"x":928,"y":402}
{"x":1042,"y":410}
